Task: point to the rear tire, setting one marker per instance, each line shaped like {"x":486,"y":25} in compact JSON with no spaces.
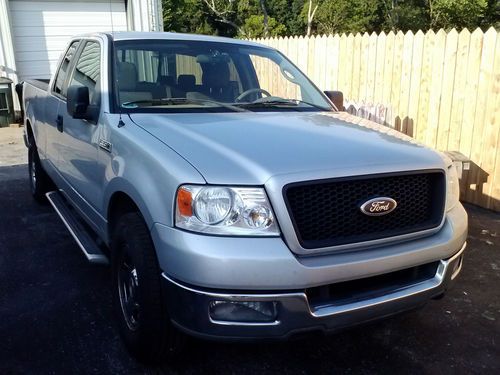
{"x":139,"y":299}
{"x":40,"y":182}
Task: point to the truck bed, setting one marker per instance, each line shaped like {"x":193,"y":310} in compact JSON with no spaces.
{"x":41,"y":83}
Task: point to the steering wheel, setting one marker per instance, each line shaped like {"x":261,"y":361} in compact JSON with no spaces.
{"x":244,"y":94}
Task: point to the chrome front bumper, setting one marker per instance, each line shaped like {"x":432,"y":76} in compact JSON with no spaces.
{"x":189,"y":307}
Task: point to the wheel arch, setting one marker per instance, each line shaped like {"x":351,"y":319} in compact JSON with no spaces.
{"x":31,"y":124}
{"x":30,"y":135}
{"x":119,"y":204}
{"x":124,"y":199}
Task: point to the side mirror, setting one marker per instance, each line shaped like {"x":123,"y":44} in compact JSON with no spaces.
{"x":337,"y":98}
{"x":77,"y":101}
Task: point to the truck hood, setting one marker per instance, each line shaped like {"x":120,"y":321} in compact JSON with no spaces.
{"x":248,"y":148}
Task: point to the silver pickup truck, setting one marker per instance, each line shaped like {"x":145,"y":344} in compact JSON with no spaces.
{"x":231,"y":197}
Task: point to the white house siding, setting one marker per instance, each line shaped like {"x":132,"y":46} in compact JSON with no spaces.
{"x":33,"y":33}
{"x":144,"y":15}
{"x":41,"y":30}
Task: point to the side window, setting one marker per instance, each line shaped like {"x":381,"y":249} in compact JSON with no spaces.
{"x":87,"y":70}
{"x":63,"y":69}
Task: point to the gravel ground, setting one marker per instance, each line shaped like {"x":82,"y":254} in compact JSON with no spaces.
{"x":12,"y":148}
{"x":56,"y":318}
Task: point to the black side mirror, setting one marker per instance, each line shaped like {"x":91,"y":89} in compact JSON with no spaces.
{"x":77,"y":101}
{"x":337,"y":98}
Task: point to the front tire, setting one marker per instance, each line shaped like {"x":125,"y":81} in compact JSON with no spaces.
{"x":39,"y":180}
{"x":138,"y":297}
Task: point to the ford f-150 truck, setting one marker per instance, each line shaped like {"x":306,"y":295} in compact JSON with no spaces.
{"x":230,"y":196}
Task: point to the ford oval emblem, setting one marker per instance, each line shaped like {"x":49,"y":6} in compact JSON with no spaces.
{"x":378,"y":206}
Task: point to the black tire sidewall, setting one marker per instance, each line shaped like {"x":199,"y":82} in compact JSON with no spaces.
{"x":41,"y":186}
{"x":31,"y":156}
{"x":153,"y":336}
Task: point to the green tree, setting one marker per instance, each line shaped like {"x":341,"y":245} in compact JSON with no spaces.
{"x":405,"y":15}
{"x":186,"y":16}
{"x":240,"y":17}
{"x":492,"y":16}
{"x":344,"y":16}
{"x":254,"y":27}
{"x":457,"y":13}
{"x":287,"y":12}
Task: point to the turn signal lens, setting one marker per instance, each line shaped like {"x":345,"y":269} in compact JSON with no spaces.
{"x":185,"y":202}
{"x":452,"y":188}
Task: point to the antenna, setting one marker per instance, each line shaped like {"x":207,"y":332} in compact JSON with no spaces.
{"x":115,"y":87}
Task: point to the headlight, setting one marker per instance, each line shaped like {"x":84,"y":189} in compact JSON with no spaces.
{"x":452,"y":187}
{"x":231,"y":211}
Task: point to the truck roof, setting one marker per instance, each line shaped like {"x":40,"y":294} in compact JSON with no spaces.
{"x":142,"y":35}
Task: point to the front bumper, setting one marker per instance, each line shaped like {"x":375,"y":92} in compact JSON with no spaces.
{"x":189,"y":307}
{"x":266,"y":263}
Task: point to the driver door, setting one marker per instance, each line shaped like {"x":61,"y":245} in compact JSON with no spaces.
{"x":78,"y":155}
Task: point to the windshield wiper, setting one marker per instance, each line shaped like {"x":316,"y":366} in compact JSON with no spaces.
{"x":275,"y":102}
{"x":180,"y":101}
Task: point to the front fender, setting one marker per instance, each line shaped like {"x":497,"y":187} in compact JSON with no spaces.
{"x":122,"y":185}
{"x":147,"y":171}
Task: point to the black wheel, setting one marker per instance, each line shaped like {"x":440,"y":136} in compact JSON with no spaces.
{"x":39,"y":180}
{"x":138,"y":296}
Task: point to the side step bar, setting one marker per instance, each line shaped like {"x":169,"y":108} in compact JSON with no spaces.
{"x":81,"y":235}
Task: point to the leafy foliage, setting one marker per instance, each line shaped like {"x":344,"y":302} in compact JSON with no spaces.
{"x":405,"y":15}
{"x":345,"y":16}
{"x":457,"y":13}
{"x":254,"y":27}
{"x":246,"y":18}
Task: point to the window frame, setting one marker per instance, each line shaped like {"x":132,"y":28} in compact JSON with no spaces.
{"x":83,"y":44}
{"x":245,"y":79}
{"x":68,"y":71}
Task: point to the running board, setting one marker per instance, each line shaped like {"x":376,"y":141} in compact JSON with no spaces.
{"x":81,"y":235}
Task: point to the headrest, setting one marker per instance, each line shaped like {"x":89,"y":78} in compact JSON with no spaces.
{"x":215,"y":75}
{"x":127,"y":76}
{"x":166,"y":80}
{"x":213,"y":58}
{"x":186,"y":80}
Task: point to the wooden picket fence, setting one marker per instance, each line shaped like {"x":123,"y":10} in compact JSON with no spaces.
{"x":441,"y":88}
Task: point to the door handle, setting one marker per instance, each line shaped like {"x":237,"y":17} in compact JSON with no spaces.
{"x":59,"y":123}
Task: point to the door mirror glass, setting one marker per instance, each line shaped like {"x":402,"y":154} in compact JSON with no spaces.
{"x":77,"y":101}
{"x":337,"y":98}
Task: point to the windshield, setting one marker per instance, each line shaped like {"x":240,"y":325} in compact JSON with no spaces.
{"x":187,"y":76}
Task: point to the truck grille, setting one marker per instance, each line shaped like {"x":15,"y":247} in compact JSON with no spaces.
{"x":327,"y":212}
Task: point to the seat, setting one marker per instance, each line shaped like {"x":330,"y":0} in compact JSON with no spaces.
{"x":127,"y":84}
{"x":166,"y":80}
{"x":187,"y":83}
{"x":216,"y":82}
{"x":170,"y":87}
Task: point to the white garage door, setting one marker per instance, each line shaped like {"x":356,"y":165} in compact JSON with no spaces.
{"x":41,"y":29}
